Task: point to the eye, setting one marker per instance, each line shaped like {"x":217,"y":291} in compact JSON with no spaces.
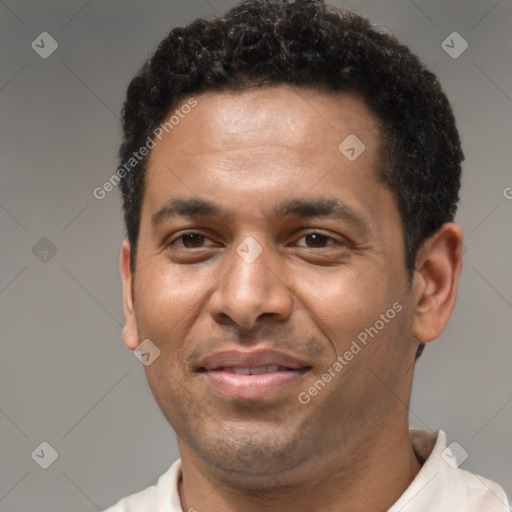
{"x":189,"y":240}
{"x":317,"y":240}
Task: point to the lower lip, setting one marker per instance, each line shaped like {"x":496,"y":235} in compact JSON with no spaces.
{"x":251,"y":387}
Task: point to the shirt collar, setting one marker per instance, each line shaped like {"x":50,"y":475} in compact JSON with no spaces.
{"x":439,"y":483}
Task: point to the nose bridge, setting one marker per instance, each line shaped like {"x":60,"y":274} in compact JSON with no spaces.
{"x":249,"y":287}
{"x":249,"y":266}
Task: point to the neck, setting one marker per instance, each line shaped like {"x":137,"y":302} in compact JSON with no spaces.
{"x":370,"y":478}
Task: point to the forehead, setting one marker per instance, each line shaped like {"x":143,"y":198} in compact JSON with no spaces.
{"x":263,"y":143}
{"x":293,"y":118}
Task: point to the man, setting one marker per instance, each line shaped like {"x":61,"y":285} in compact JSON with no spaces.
{"x":290,"y":178}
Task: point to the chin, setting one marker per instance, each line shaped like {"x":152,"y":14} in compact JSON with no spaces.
{"x":253,"y":460}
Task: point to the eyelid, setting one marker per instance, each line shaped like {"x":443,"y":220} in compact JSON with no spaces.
{"x":331,"y":238}
{"x":179,"y":236}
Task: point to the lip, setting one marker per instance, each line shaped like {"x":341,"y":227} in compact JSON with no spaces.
{"x":218,"y":369}
{"x":251,"y":359}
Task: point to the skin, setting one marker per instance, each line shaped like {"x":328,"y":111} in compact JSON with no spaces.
{"x":348,"y":448}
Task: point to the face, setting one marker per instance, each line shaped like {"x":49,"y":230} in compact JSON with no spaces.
{"x":270,"y":275}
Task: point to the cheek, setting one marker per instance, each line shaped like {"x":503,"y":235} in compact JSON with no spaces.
{"x":166,"y":305}
{"x":165,"y":299}
{"x":172,"y":306}
{"x":343,"y":303}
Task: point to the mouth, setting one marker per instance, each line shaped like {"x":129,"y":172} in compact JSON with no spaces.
{"x":252,"y":375}
{"x":272,"y":368}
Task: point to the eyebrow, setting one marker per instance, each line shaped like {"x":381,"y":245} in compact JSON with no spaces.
{"x":320,"y":207}
{"x":330,"y":207}
{"x":185,"y":207}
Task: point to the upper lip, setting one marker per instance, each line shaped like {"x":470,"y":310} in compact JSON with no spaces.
{"x":253,"y":358}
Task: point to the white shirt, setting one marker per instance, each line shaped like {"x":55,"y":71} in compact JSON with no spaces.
{"x":440,"y":486}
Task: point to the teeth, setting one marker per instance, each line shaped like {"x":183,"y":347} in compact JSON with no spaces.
{"x":256,"y":371}
{"x":260,"y":369}
{"x":242,"y":371}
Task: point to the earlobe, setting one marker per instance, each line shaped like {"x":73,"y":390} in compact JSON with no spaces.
{"x":129,"y":334}
{"x":438,"y":267}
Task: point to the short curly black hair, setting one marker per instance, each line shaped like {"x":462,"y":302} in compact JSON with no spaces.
{"x":306,"y":43}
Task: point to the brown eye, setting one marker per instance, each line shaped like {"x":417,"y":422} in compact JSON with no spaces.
{"x":316,"y":240}
{"x":189,"y":247}
{"x":191,"y":240}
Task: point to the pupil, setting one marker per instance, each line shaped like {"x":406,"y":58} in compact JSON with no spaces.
{"x":192,"y":240}
{"x":317,"y":239}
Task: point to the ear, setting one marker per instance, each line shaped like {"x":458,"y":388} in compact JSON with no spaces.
{"x":435,"y":282}
{"x":130,"y":335}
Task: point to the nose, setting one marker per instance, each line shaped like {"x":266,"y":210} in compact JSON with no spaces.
{"x":250,"y":290}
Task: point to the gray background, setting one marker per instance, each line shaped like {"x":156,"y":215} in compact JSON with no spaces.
{"x":66,"y":378}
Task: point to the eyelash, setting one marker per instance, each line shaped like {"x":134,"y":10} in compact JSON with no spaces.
{"x":186,"y":233}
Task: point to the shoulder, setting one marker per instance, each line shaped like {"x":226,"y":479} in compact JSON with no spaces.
{"x":442,"y":485}
{"x":151,"y":498}
{"x":478,"y":493}
{"x":138,"y":502}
